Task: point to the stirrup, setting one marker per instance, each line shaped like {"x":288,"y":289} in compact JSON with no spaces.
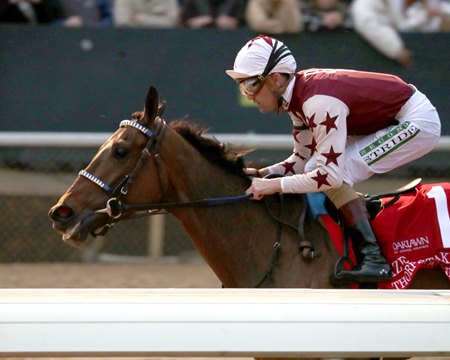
{"x":335,"y":278}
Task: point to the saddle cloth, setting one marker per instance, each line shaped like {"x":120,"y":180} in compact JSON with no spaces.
{"x":413,"y":231}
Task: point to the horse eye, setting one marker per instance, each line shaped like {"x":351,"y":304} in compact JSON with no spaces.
{"x":120,"y":152}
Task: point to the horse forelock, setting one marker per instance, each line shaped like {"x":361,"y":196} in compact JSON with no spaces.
{"x":137,"y":116}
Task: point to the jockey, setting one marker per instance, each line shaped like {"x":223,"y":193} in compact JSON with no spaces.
{"x":347,"y":126}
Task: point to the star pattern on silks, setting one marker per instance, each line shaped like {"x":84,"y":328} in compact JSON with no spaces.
{"x":331,"y":156}
{"x":310,"y":121}
{"x":298,"y":115}
{"x":312,"y":146}
{"x":329,"y":122}
{"x":321,"y":179}
{"x":295,"y":132}
{"x":288,"y":167}
{"x":300,"y":156}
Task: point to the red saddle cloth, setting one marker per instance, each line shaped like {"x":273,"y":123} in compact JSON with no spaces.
{"x":414,"y":233}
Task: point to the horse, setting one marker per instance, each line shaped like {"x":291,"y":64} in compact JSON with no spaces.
{"x":150,"y":165}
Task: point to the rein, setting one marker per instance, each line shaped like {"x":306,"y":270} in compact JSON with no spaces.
{"x":115,"y":208}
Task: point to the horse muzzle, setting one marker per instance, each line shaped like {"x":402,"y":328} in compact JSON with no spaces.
{"x":75,"y":228}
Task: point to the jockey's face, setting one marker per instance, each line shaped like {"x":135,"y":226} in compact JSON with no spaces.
{"x":266,"y":98}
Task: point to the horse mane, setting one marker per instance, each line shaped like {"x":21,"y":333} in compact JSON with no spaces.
{"x":220,"y":154}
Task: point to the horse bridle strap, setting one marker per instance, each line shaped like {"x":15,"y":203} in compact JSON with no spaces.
{"x":143,"y":129}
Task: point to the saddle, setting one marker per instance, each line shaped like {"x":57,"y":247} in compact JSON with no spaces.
{"x":374,"y":202}
{"x":318,"y":205}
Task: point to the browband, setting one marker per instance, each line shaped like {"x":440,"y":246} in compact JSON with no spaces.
{"x":146,"y":131}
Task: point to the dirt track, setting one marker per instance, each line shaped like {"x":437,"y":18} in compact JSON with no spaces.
{"x":73,"y":275}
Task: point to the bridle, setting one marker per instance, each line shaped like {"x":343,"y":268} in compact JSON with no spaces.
{"x":116,"y":209}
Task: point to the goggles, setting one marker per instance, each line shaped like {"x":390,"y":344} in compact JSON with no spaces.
{"x":251,"y":86}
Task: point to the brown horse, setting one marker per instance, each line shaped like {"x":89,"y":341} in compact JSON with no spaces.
{"x":200,"y":182}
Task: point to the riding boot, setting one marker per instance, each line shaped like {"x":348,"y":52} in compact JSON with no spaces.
{"x":372,"y":266}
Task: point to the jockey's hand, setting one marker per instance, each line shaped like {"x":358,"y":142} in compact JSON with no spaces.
{"x":261,"y":187}
{"x":255,"y":172}
{"x":252,"y":172}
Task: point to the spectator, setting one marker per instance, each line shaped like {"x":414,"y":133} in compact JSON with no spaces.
{"x":146,"y":13}
{"x":421,"y":15}
{"x":222,"y":14}
{"x":94,"y":13}
{"x":380,"y":23}
{"x":28,"y":11}
{"x":274,"y":16}
{"x":326,"y":15}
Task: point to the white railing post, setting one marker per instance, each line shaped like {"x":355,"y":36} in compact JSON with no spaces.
{"x":155,"y":238}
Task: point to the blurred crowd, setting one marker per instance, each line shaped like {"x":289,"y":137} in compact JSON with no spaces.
{"x":379,"y":22}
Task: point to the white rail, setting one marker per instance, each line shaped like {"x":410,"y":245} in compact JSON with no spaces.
{"x":81,"y":139}
{"x":241,"y":322}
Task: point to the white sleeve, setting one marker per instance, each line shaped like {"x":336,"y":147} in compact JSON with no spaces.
{"x":295,"y":163}
{"x":327,"y":117}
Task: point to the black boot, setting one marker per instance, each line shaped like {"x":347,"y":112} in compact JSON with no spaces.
{"x":372,"y":266}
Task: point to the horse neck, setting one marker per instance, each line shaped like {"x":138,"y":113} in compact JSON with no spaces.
{"x":192,"y":176}
{"x":226,"y":236}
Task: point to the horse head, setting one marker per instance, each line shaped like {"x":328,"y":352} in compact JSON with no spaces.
{"x":116,"y":165}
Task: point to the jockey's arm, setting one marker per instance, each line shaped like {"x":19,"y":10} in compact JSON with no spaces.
{"x":327,"y":121}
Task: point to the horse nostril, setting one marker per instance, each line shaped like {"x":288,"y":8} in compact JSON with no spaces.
{"x":61,"y":213}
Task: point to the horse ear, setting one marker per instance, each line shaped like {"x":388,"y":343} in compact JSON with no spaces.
{"x":151,"y":105}
{"x":161,"y":108}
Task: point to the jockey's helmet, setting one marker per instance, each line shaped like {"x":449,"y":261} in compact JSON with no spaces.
{"x":260,"y":57}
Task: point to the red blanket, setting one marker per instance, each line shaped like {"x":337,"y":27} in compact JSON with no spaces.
{"x":414,"y":233}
